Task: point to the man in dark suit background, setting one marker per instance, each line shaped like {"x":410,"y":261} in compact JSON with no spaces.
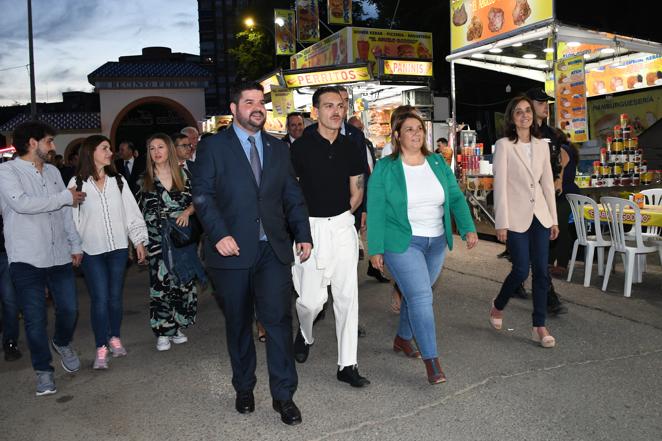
{"x":130,"y":164}
{"x":294,"y":126}
{"x":249,"y":201}
{"x":184,"y":150}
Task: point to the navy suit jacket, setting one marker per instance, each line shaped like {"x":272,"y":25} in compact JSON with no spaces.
{"x":229,"y":202}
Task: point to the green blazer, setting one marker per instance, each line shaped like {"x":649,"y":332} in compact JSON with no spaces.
{"x":388,"y":223}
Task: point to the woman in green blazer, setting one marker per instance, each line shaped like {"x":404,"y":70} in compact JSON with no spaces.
{"x":412,"y":195}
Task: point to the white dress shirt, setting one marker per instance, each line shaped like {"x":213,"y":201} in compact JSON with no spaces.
{"x":38,"y":226}
{"x":108,"y":216}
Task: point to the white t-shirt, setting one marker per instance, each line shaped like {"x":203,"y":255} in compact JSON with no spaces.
{"x":425,"y":200}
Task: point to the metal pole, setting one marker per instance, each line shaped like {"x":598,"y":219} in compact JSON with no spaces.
{"x":33,"y":99}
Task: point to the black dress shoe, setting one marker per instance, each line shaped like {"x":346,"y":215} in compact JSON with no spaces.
{"x":12,"y":353}
{"x":245,"y":402}
{"x":350,"y":374}
{"x":504,"y":255}
{"x":374,"y":272}
{"x":289,"y":412}
{"x":557,"y":309}
{"x":520,"y":293}
{"x":301,"y":348}
{"x":362,"y":331}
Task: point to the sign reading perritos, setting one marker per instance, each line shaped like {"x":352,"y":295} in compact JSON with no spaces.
{"x":480,"y":21}
{"x":570,"y":88}
{"x":407,"y":67}
{"x":346,"y":75}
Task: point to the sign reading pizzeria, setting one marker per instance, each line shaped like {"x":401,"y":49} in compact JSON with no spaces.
{"x":482,"y":21}
{"x":407,"y":67}
{"x":319,"y":78}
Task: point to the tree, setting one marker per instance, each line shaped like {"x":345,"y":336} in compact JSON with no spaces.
{"x":253,"y":54}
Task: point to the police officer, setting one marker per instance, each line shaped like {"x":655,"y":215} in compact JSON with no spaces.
{"x":541,"y":108}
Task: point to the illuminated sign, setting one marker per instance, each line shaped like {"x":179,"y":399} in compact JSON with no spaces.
{"x":269,"y":82}
{"x":405,"y":67}
{"x":348,"y":75}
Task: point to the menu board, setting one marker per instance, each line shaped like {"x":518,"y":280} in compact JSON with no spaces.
{"x":339,"y":11}
{"x":479,"y":21}
{"x":638,"y":73}
{"x":352,"y":44}
{"x":570,"y":88}
{"x":308,"y":26}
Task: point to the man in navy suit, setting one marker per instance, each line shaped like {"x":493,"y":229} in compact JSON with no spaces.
{"x":184,"y":150}
{"x":130,"y":164}
{"x":249,"y":202}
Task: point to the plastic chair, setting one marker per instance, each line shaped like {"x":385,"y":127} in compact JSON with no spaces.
{"x":615,"y":212}
{"x":577,"y":204}
{"x":653,"y":197}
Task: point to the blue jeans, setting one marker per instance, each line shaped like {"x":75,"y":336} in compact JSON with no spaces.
{"x":530,"y":248}
{"x":9,"y":302}
{"x":104,"y":277}
{"x":31,"y":282}
{"x":415,"y":271}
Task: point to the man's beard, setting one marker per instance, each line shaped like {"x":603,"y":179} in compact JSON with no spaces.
{"x":250,"y":124}
{"x":41,"y":155}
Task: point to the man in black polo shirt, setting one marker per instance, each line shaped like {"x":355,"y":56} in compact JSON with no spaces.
{"x":330,"y":172}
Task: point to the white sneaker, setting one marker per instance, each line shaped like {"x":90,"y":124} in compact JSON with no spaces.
{"x":162,"y":343}
{"x":179,"y":338}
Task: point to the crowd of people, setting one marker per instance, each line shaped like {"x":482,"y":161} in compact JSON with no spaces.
{"x":259,"y":218}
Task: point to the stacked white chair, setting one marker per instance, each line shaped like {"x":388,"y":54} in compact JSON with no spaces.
{"x":615,"y":208}
{"x":577,"y":204}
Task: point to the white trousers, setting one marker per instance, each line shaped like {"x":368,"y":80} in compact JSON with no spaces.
{"x":332,"y":262}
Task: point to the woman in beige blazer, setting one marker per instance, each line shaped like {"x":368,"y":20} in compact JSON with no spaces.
{"x":525,"y":208}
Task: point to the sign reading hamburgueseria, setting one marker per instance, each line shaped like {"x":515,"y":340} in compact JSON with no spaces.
{"x":476,"y":21}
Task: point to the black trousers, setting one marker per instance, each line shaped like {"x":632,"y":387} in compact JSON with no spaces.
{"x":561,"y":249}
{"x":266,"y":287}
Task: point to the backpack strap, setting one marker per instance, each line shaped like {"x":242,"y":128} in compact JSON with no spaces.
{"x":79,"y":183}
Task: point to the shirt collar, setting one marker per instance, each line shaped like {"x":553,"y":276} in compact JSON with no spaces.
{"x":243,"y":134}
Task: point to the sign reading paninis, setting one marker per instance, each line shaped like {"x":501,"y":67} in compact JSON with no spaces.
{"x":151,"y":84}
{"x":406,"y":67}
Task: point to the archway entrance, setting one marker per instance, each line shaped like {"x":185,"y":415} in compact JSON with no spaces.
{"x":142,"y":118}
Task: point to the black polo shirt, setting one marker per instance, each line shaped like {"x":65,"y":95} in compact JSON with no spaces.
{"x":324,"y":170}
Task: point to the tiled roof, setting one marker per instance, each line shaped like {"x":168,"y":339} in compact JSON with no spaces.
{"x":61,"y":121}
{"x":115,"y":69}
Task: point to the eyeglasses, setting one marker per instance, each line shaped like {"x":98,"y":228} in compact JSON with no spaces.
{"x":184,"y":146}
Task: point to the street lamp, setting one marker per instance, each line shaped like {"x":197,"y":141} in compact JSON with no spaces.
{"x":250,"y":24}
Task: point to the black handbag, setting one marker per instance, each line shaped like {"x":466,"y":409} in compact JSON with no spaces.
{"x":184,"y":236}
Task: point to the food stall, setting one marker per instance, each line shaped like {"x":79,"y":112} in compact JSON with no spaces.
{"x":525,"y":38}
{"x":381,"y":68}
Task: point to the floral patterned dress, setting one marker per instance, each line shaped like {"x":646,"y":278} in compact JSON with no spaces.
{"x":173,"y":305}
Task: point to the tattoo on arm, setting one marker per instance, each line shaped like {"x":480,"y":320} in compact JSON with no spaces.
{"x":359,"y":182}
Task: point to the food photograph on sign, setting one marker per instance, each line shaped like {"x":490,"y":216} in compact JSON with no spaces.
{"x":476,"y":20}
{"x":308,"y":21}
{"x":339,"y":11}
{"x":370,"y":44}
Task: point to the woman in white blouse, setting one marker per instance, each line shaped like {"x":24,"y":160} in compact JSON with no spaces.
{"x":108,"y":216}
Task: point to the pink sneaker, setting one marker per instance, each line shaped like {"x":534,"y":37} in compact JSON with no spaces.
{"x":116,"y":347}
{"x":101,"y":360}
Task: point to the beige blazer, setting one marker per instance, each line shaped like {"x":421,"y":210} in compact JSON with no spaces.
{"x":522,"y":187}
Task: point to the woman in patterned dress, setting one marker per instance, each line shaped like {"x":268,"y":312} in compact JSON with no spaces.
{"x":166,"y":192}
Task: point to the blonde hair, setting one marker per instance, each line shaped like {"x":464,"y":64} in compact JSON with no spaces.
{"x":175,"y":170}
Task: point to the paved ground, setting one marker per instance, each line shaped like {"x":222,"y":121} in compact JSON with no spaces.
{"x":602,"y":382}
